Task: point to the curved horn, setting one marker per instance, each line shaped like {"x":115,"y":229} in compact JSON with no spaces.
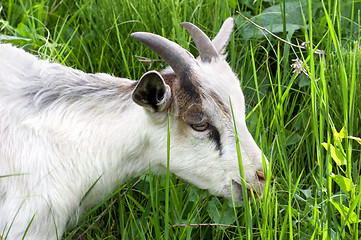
{"x":221,"y":41}
{"x":173,"y":54}
{"x":204,"y":45}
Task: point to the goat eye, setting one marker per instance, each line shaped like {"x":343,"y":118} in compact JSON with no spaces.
{"x":200,"y":127}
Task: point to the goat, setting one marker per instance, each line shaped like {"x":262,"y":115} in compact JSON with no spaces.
{"x":62,"y":130}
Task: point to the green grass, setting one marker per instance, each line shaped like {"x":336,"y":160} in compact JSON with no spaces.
{"x":304,"y":122}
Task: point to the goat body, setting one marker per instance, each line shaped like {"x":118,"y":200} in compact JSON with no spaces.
{"x":63,"y":132}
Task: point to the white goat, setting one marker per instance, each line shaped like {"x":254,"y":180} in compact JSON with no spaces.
{"x":62,"y":129}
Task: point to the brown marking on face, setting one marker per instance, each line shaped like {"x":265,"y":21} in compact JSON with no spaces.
{"x":188,"y":107}
{"x":186,"y":99}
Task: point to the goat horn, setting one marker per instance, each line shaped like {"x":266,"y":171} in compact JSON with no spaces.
{"x":224,"y":35}
{"x":206,"y":49}
{"x":177,"y":57}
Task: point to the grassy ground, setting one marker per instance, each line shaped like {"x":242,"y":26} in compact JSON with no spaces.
{"x":306,"y":119}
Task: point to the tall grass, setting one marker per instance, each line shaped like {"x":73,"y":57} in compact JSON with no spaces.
{"x":305,"y":121}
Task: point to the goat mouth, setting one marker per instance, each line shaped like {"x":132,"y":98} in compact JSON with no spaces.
{"x":237,"y":188}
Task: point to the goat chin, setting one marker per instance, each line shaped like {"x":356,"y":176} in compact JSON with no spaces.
{"x":68,"y":138}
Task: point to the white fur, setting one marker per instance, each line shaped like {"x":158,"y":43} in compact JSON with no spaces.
{"x":55,"y":150}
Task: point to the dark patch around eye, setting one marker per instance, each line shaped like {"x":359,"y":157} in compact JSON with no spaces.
{"x":215,"y":136}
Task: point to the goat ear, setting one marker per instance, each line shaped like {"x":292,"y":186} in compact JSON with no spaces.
{"x":152,"y":92}
{"x":221,"y":41}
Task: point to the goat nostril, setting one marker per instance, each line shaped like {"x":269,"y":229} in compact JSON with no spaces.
{"x":260,"y":175}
